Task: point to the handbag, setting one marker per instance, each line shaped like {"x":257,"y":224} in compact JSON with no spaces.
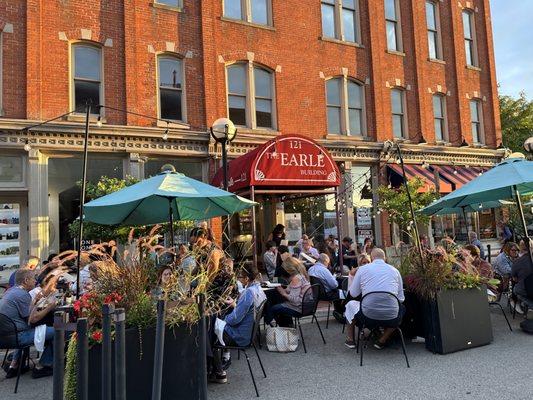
{"x":281,"y":340}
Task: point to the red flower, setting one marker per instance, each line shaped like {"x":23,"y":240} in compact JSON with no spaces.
{"x":77,"y":306}
{"x":97,"y":336}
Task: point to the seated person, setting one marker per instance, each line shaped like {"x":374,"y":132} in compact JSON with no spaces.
{"x":483,"y":267}
{"x":283,"y":254}
{"x":17,"y":305}
{"x":503,"y":263}
{"x":185,"y":259}
{"x":270,"y":258}
{"x":379,"y":310}
{"x":521,"y":269}
{"x":348,"y":254}
{"x":293,"y":294}
{"x":321,"y":272}
{"x":236,"y":327}
{"x":308,"y":249}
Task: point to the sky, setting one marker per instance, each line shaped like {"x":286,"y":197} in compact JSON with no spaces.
{"x":512,"y":25}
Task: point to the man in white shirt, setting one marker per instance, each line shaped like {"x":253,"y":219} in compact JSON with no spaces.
{"x":378,"y":309}
{"x":320,"y":271}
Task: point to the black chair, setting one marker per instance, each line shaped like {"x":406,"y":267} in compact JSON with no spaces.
{"x":9,"y":341}
{"x":309,"y":310}
{"x":322,"y":295}
{"x":251,"y":344}
{"x":361,"y":325}
{"x":498,"y":305}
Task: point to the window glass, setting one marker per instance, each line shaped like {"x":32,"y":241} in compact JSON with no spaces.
{"x":263,"y":83}
{"x":237,"y":79}
{"x":170,"y":72}
{"x":237,"y":109}
{"x":233,"y":9}
{"x":397,"y":103}
{"x":474,"y":111}
{"x":87,"y":63}
{"x":10,"y":168}
{"x":348,"y":17}
{"x":354,"y":116}
{"x":173,"y":3}
{"x":86,"y":93}
{"x":259,"y":11}
{"x":432,"y":41}
{"x":397,"y":126}
{"x":170,"y":104}
{"x":397,"y":113}
{"x":439,"y":118}
{"x":334,"y":119}
{"x":354,"y":95}
{"x":328,"y":19}
{"x":469,"y":52}
{"x":437,"y":106}
{"x":333,"y":92}
{"x":467,"y":25}
{"x":431,"y":15}
{"x":390,"y":9}
{"x":263,"y":113}
{"x":392,"y":41}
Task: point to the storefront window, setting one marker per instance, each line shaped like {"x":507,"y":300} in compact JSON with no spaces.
{"x":362,"y":199}
{"x":487,"y":224}
{"x":64,"y":193}
{"x":191,"y":169}
{"x":11,"y":169}
{"x":9,"y":239}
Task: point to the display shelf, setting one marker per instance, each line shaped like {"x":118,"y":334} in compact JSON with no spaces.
{"x":9,"y":225}
{"x":9,"y":241}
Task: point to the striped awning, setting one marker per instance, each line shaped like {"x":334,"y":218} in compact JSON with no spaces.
{"x":426,"y":174}
{"x":458,"y":176}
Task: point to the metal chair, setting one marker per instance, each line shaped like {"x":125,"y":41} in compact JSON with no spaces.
{"x":322,"y":295}
{"x":9,"y":341}
{"x":396,"y":326}
{"x":496,"y":304}
{"x":309,"y":310}
{"x":257,"y":318}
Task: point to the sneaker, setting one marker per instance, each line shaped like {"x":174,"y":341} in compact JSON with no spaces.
{"x":518,"y":307}
{"x":378,"y":345}
{"x":42,"y":372}
{"x":12,"y":372}
{"x":218,"y":378}
{"x":226,"y":364}
{"x":350,"y":344}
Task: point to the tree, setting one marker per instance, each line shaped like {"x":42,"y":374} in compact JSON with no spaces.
{"x":396,"y":203}
{"x":517,"y":121}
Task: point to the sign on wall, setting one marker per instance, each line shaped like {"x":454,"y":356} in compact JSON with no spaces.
{"x":293,"y":227}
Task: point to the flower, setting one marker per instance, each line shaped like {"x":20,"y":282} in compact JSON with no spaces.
{"x":97,"y":336}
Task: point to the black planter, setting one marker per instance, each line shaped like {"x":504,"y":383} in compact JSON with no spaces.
{"x":182,"y":367}
{"x":457,"y":320}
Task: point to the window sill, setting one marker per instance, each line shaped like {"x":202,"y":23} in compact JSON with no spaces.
{"x":437,"y":61}
{"x":442,"y":143}
{"x":473,"y":68}
{"x":173,"y":125}
{"x":343,"y":42}
{"x":350,"y":138}
{"x":257,"y":131}
{"x":81,"y":118}
{"x":166,"y":7}
{"x":396,"y":53}
{"x":246,"y":23}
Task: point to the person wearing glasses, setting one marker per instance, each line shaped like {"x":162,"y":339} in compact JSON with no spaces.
{"x":503,"y":263}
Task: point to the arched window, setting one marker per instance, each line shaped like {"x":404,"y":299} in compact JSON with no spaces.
{"x":86,"y":85}
{"x":250,"y":95}
{"x":345,"y":107}
{"x":170,"y":85}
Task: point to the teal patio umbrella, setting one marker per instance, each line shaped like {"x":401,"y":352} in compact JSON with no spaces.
{"x":167,"y":197}
{"x":470,"y":208}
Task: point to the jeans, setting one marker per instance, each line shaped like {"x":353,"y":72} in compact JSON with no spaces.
{"x":277,"y":310}
{"x":26,"y":339}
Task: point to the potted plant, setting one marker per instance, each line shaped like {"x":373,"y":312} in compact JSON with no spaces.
{"x":449,"y":297}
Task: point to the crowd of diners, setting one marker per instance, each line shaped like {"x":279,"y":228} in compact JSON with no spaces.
{"x":34,"y":292}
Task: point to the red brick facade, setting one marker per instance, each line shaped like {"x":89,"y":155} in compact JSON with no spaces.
{"x":36,"y":61}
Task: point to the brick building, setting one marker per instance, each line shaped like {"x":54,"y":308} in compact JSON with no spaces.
{"x":348,"y":73}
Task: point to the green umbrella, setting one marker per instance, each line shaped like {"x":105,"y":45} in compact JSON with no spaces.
{"x":163,"y":198}
{"x":472,"y":208}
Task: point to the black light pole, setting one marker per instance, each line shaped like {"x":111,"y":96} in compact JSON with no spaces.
{"x":224,"y":132}
{"x":82,"y":195}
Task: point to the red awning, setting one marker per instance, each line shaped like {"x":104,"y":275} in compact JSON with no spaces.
{"x":425,"y":174}
{"x":287,"y":160}
{"x":458,"y":176}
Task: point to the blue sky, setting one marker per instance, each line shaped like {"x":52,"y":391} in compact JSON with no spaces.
{"x":512,"y":24}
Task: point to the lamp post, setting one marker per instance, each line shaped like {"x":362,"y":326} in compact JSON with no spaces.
{"x":224,"y":132}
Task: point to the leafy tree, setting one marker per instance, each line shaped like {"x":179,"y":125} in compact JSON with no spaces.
{"x":517,"y":121}
{"x":396,"y":203}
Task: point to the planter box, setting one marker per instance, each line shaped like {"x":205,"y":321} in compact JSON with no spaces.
{"x":457,"y":320}
{"x":182,"y":367}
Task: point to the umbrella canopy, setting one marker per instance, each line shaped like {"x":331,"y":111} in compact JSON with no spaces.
{"x":498,"y":183}
{"x":150,"y":201}
{"x":472,"y":208}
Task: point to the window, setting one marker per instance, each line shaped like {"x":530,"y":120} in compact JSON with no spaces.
{"x":433,"y":25}
{"x":255,"y":11}
{"x":250,"y":96}
{"x":392,"y":22}
{"x":170,"y":76}
{"x":1,"y":73}
{"x":439,"y":116}
{"x":476,"y":121}
{"x":170,"y":3}
{"x":398,"y":113}
{"x":345,"y":107}
{"x":340,"y":20}
{"x":470,"y":41}
{"x":87,"y":76}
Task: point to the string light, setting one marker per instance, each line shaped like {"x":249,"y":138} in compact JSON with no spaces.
{"x":99,"y":121}
{"x":27,"y":146}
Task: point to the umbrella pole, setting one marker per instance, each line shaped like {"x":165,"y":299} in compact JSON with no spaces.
{"x":254,"y":227}
{"x":523,"y":219}
{"x":82,"y":197}
{"x":171,"y":222}
{"x":466,"y":223}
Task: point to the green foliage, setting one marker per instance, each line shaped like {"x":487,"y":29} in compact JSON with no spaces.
{"x":517,"y":121}
{"x":69,"y":389}
{"x":396,"y":203}
{"x":142,"y":312}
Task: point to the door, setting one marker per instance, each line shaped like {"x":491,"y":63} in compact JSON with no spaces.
{"x":13,"y":233}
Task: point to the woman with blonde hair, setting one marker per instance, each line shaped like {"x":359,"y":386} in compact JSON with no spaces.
{"x":293,"y":294}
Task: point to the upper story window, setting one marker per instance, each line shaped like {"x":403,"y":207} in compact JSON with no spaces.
{"x":170,"y":77}
{"x":439,"y":117}
{"x":345,"y":107}
{"x":476,"y":121}
{"x":470,"y":38}
{"x":393,"y":25}
{"x":86,"y":76}
{"x":433,"y":26}
{"x":340,"y":20}
{"x":251,"y":96}
{"x":170,"y":3}
{"x":398,"y":113}
{"x":255,"y":11}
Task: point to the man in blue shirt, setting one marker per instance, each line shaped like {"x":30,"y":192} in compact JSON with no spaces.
{"x":320,"y":271}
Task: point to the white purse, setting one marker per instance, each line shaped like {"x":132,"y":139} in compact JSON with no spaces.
{"x":281,"y":340}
